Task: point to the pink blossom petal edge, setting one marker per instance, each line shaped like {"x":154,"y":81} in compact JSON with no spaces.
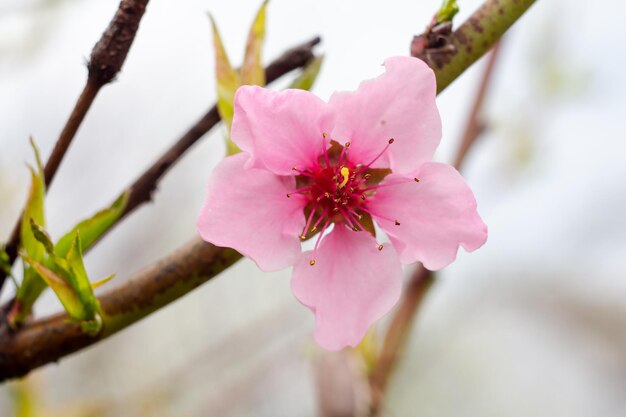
{"x":280,"y":129}
{"x":247,"y":209}
{"x":399,"y":104}
{"x":436,"y":215}
{"x":351,"y":285}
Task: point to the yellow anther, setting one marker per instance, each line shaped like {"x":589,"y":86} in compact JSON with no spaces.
{"x":312,"y":262}
{"x":345,"y":173}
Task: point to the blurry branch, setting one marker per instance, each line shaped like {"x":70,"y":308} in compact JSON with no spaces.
{"x":422,"y":279}
{"x":141,"y":190}
{"x":474,"y":126}
{"x":396,"y":335}
{"x":107,"y":58}
{"x":48,"y":340}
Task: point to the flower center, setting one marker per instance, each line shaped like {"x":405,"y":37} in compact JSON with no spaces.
{"x":337,"y":190}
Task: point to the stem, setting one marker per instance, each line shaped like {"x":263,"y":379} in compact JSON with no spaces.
{"x":474,"y":126}
{"x":47,"y":340}
{"x":143,"y":187}
{"x":50,"y":339}
{"x":107,"y":57}
{"x":397,"y":334}
{"x":422,"y":279}
{"x":473,"y":39}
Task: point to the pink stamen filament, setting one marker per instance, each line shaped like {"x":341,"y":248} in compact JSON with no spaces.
{"x":348,"y":219}
{"x":379,"y":216}
{"x":378,"y":156}
{"x":300,"y":191}
{"x":308,"y":222}
{"x":320,"y":219}
{"x":306,"y":173}
{"x":317,"y":242}
{"x":376,"y":187}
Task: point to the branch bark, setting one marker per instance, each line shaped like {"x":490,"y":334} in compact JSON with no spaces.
{"x":471,"y":40}
{"x":142,"y":188}
{"x":50,"y":339}
{"x":106,"y":60}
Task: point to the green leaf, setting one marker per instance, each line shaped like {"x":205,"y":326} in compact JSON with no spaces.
{"x":309,"y":74}
{"x":32,"y":284}
{"x":103,"y":281}
{"x":42,"y":236}
{"x":5,"y":261}
{"x":92,"y":228}
{"x":252,"y":71}
{"x":60,"y":285}
{"x":447,"y":11}
{"x":34,"y":209}
{"x":79,"y":279}
{"x":6,"y":267}
{"x":228,"y":80}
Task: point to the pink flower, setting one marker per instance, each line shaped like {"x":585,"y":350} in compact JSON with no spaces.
{"x":361,"y":158}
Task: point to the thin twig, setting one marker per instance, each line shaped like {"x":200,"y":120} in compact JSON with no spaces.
{"x":48,"y":340}
{"x":164,"y":282}
{"x":422,"y":279}
{"x":396,"y":335}
{"x":106,"y":60}
{"x":455,"y":52}
{"x":142,"y":188}
{"x":474,"y":126}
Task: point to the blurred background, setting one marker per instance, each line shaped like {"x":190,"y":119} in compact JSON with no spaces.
{"x":534,"y":323}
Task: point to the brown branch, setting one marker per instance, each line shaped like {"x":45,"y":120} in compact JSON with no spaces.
{"x":141,"y":190}
{"x":143,"y":187}
{"x":396,"y":335}
{"x":422,"y":279}
{"x":106,"y":60}
{"x":50,"y":339}
{"x":474,"y":126}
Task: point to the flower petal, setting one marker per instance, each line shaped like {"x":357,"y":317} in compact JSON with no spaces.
{"x":248,"y":209}
{"x":351,"y":285}
{"x":280,"y":129}
{"x":436,"y":215}
{"x":399,"y":104}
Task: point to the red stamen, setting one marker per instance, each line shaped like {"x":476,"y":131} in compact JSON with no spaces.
{"x":378,"y":156}
{"x":308,"y":222}
{"x":319,"y":238}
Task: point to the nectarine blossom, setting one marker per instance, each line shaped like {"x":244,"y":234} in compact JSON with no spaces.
{"x":334,"y":169}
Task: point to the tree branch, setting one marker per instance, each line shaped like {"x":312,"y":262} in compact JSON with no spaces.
{"x":422,"y":279}
{"x":474,"y":126}
{"x":47,"y":340}
{"x":55,"y":337}
{"x":141,"y":190}
{"x":457,"y":51}
{"x":50,"y":339}
{"x":106,"y":60}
